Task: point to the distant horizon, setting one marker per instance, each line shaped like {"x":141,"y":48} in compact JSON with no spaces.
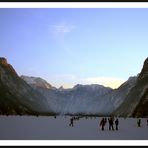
{"x":72,"y":46}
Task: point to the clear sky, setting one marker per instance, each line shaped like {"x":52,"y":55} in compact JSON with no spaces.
{"x":70,"y":46}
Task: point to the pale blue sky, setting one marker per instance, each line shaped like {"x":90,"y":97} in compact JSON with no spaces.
{"x":70,"y":46}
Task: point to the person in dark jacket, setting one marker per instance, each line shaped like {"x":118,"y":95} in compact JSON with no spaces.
{"x":71,"y":122}
{"x":111,"y":123}
{"x":139,"y":122}
{"x":102,"y":124}
{"x":117,"y":123}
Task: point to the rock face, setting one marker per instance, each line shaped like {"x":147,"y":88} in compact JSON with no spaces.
{"x":142,"y":108}
{"x":3,"y":61}
{"x":135,"y":103}
{"x":16,"y":96}
{"x":144,"y":71}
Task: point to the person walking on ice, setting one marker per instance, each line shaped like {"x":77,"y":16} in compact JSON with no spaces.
{"x":117,"y":123}
{"x":102,"y":124}
{"x":139,"y":122}
{"x":110,"y":120}
{"x":71,"y":122}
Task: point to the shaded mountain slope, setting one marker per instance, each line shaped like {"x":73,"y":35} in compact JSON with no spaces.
{"x":136,"y":101}
{"x":16,"y":96}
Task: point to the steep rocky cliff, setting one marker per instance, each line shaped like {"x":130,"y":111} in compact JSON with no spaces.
{"x":16,"y":96}
{"x":135,"y":103}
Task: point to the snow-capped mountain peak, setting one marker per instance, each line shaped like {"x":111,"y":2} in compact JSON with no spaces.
{"x":37,"y":82}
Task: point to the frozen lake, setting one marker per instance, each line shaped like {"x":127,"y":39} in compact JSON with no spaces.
{"x":50,"y":128}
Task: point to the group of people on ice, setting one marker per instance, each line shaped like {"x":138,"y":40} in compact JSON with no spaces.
{"x":110,"y":122}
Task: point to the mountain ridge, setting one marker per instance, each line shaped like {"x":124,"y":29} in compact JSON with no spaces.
{"x":136,"y":102}
{"x":16,"y":96}
{"x":34,"y":95}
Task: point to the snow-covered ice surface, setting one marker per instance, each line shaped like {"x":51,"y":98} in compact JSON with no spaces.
{"x":49,"y":128}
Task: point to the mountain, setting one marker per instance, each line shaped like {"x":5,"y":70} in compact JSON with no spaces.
{"x":85,"y":99}
{"x":16,"y":96}
{"x":135,"y":103}
{"x":81,"y":99}
{"x":37,"y":82}
{"x":118,"y":95}
{"x":34,"y":95}
{"x":61,"y":88}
